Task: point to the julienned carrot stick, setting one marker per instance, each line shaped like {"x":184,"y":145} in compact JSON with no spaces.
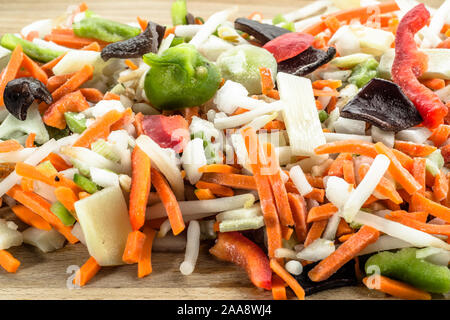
{"x":55,"y":82}
{"x":385,"y":187}
{"x":204,"y":194}
{"x":315,"y":182}
{"x":169,"y":201}
{"x":348,"y":171}
{"x":48,"y":67}
{"x":398,"y":172}
{"x":34,"y":69}
{"x":73,"y":101}
{"x":298,"y":208}
{"x":315,"y":232}
{"x":70,"y":40}
{"x":31,"y":218}
{"x":145,"y":260}
{"x":268,"y":87}
{"x":278,"y":288}
{"x":343,"y":228}
{"x":40,"y":206}
{"x":87,"y":271}
{"x":27,"y":184}
{"x":421,"y":203}
{"x":414,"y":149}
{"x":275,"y":125}
{"x":433,"y":84}
{"x":320,"y":84}
{"x":59,"y":163}
{"x":325,"y":93}
{"x":130,"y":64}
{"x":316,"y":194}
{"x":92,"y":94}
{"x":58,"y":180}
{"x":94,"y":46}
{"x":236,"y":181}
{"x":67,"y":197}
{"x":99,"y":129}
{"x":440,"y":187}
{"x":348,"y":146}
{"x":218,"y":168}
{"x":29,"y":143}
{"x":142,"y":23}
{"x":323,"y":212}
{"x":10,"y":71}
{"x":290,"y":280}
{"x":140,"y":187}
{"x":215,"y":188}
{"x":347,"y":251}
{"x":8,"y":262}
{"x":418,"y":170}
{"x":10,"y":145}
{"x":420,"y":216}
{"x":422,"y":226}
{"x":396,"y":288}
{"x":337,"y":167}
{"x":127,"y":118}
{"x":440,"y":135}
{"x":134,"y":246}
{"x":405,"y":160}
{"x":271,"y":219}
{"x":111,"y":96}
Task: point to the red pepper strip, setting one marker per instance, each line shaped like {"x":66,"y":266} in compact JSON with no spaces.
{"x":235,"y":248}
{"x":289,"y":45}
{"x":410,"y":63}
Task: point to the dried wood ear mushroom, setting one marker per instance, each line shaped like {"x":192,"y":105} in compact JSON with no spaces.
{"x":260,"y":31}
{"x":20,"y":93}
{"x":307,"y":61}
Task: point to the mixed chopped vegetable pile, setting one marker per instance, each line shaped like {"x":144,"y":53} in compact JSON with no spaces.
{"x":311,"y":149}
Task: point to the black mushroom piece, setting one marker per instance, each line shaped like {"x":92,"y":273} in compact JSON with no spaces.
{"x":260,"y":31}
{"x":383,"y":104}
{"x":190,"y":19}
{"x":344,"y":277}
{"x":147,"y":41}
{"x":20,"y":93}
{"x":307,"y":61}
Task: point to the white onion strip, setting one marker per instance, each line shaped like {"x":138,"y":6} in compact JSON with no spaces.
{"x":192,"y":248}
{"x":300,"y":181}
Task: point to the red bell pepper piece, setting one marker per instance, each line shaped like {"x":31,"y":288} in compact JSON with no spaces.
{"x":289,"y":45}
{"x":235,"y":248}
{"x":168,"y":132}
{"x":410,"y":63}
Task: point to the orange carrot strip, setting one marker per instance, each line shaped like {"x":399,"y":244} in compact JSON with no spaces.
{"x":66,"y":38}
{"x":385,"y":187}
{"x":422,"y":226}
{"x":130,"y":64}
{"x":204,"y":194}
{"x":267,"y":82}
{"x":440,"y":187}
{"x":323,"y":212}
{"x":397,"y":289}
{"x":111,"y":96}
{"x":8,"y":262}
{"x":237,"y":181}
{"x":87,"y":271}
{"x":337,"y":167}
{"x":278,"y":288}
{"x":348,"y":146}
{"x":34,"y":69}
{"x":11,"y":70}
{"x":169,"y":201}
{"x":59,"y":163}
{"x":142,"y":23}
{"x":325,"y":93}
{"x":398,"y":172}
{"x":343,"y":228}
{"x":127,"y":118}
{"x":298,"y":209}
{"x":189,"y":113}
{"x":31,"y":218}
{"x":333,"y":84}
{"x":316,"y":194}
{"x":67,"y":197}
{"x":332,"y":23}
{"x":315,"y":232}
{"x":405,"y":160}
{"x":440,"y":135}
{"x":29,"y":143}
{"x":345,"y":237}
{"x":421,"y":203}
{"x":99,"y":129}
{"x":433,"y":84}
{"x":169,"y":31}
{"x":134,"y":246}
{"x":215,"y":188}
{"x":315,"y":182}
{"x":83,"y":195}
{"x":290,"y":280}
{"x":413,"y":149}
{"x":94,"y":46}
{"x":27,"y":184}
{"x":10,"y":145}
{"x":32,"y":35}
{"x":274,"y":125}
{"x":239,"y":111}
{"x":348,"y":171}
{"x":218,"y":168}
{"x":420,"y":216}
{"x":74,"y":82}
{"x":48,"y":67}
{"x":41,"y":207}
{"x":54,"y":115}
{"x":347,"y":251}
{"x":55,"y":82}
{"x":140,"y":187}
{"x":418,"y":171}
{"x":92,"y":94}
{"x":145,"y":260}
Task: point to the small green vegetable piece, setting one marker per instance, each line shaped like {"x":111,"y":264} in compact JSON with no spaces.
{"x":434,"y":163}
{"x":279,"y":18}
{"x":105,"y":149}
{"x":84,"y":183}
{"x":404,"y":266}
{"x":105,"y":30}
{"x":176,"y":41}
{"x":364,"y":72}
{"x":47,"y":166}
{"x":75,"y":121}
{"x":241,"y":224}
{"x":289,"y":26}
{"x":323,"y":115}
{"x":241,"y":64}
{"x":35,"y":52}
{"x":62,"y":213}
{"x":179,"y":12}
{"x":180,"y":78}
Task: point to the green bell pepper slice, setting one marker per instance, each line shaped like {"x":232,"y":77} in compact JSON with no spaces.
{"x":85,"y":183}
{"x":63,"y":214}
{"x":179,"y":12}
{"x":32,"y":50}
{"x":105,"y":30}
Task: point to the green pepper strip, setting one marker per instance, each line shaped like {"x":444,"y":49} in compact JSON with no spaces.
{"x":32,"y":50}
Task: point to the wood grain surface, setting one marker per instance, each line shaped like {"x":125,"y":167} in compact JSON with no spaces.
{"x":44,"y":276}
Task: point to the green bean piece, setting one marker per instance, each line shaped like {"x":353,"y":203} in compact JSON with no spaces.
{"x":75,"y":121}
{"x":404,"y":266}
{"x":179,"y":12}
{"x":364,"y":72}
{"x":85,"y":183}
{"x":105,"y":30}
{"x":32,"y":50}
{"x":62,"y":213}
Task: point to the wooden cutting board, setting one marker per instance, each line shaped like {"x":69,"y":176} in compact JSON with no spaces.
{"x":45,"y":276}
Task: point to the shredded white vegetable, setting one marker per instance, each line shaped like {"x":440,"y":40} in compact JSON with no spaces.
{"x":300,"y":181}
{"x":192,"y":248}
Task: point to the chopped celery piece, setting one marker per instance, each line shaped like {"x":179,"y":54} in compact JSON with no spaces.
{"x":241,"y":224}
{"x":434,"y":163}
{"x":105,"y":149}
{"x":179,"y":12}
{"x":364,"y":72}
{"x":62,"y":213}
{"x":47,"y":167}
{"x":279,"y":18}
{"x":103,"y":29}
{"x":75,"y":121}
{"x":32,"y":50}
{"x":288,"y":26}
{"x":82,"y":167}
{"x":323,"y":116}
{"x":84,"y":183}
{"x":351,"y":60}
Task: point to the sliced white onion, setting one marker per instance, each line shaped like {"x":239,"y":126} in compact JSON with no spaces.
{"x":350,"y":126}
{"x":192,"y":159}
{"x":384,"y":243}
{"x":416,"y":135}
{"x":9,"y":237}
{"x":300,"y":181}
{"x":318,"y":250}
{"x":284,"y":253}
{"x":104,"y":178}
{"x":386,"y":137}
{"x":187,"y":31}
{"x":46,"y":241}
{"x":16,"y":156}
{"x":332,"y":137}
{"x":192,"y":248}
